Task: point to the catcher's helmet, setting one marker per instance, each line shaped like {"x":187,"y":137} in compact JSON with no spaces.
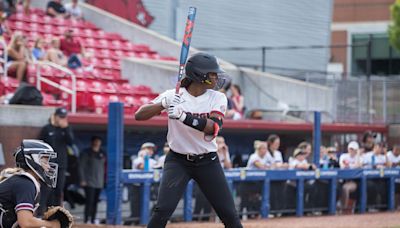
{"x":35,"y":155}
{"x":199,"y":65}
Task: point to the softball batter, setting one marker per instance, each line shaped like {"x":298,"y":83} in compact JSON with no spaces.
{"x":195,"y":116}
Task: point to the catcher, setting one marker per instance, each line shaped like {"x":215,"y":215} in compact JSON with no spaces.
{"x":19,"y":188}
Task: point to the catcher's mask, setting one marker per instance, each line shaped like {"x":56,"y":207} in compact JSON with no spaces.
{"x":35,"y":155}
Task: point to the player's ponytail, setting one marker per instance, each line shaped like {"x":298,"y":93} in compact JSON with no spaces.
{"x":9,"y":172}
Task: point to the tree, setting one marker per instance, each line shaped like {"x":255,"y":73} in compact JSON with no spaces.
{"x":394,"y":28}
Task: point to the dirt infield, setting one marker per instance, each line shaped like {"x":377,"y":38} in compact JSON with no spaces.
{"x":378,"y":220}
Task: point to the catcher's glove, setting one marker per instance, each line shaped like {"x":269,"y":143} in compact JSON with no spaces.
{"x":61,"y":214}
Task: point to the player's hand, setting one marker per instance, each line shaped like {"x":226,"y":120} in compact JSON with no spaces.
{"x":175,"y":112}
{"x":176,"y":99}
{"x":164,"y":102}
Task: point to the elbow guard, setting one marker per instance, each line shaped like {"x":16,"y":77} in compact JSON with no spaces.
{"x":217,"y":127}
{"x":195,"y":122}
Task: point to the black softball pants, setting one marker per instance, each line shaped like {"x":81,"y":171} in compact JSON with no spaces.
{"x":208,"y":174}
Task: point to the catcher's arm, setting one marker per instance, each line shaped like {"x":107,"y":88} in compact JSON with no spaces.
{"x":26,"y":219}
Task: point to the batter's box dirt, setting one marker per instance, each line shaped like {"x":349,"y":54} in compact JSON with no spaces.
{"x":375,"y":220}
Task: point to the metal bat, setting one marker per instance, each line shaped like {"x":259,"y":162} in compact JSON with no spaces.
{"x":186,"y":45}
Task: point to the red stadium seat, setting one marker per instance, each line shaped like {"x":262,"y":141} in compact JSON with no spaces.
{"x":9,"y":84}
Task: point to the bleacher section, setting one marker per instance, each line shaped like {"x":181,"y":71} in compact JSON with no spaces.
{"x":98,"y":85}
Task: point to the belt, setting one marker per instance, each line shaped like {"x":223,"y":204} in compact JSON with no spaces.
{"x":194,"y":157}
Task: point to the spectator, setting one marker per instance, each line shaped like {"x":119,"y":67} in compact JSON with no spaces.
{"x":147,"y":149}
{"x":237,"y":101}
{"x":376,"y":189}
{"x":4,"y":29}
{"x":376,"y":158}
{"x":74,"y":10}
{"x":349,"y":160}
{"x":92,"y":163}
{"x":55,"y":55}
{"x":223,"y":153}
{"x":58,"y":135}
{"x":307,"y":149}
{"x":17,"y":60}
{"x":299,"y":160}
{"x":368,"y":141}
{"x":56,"y":9}
{"x":38,"y":51}
{"x":278,"y":191}
{"x":333,"y":161}
{"x":274,"y":143}
{"x":71,"y":45}
{"x":161,"y":160}
{"x":261,"y":159}
{"x":394,"y":156}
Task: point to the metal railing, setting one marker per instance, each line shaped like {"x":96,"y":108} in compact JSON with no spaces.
{"x":5,"y":56}
{"x":71,"y":91}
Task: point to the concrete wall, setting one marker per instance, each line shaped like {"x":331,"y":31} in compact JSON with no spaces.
{"x":19,"y":122}
{"x":261,"y":90}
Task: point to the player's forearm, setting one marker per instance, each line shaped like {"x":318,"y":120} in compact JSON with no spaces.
{"x":147,"y":111}
{"x":33,"y":222}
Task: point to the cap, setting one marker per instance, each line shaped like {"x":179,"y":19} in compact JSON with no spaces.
{"x":148,"y":144}
{"x":298,"y":151}
{"x":61,"y":112}
{"x":353,"y":145}
{"x":331,"y":149}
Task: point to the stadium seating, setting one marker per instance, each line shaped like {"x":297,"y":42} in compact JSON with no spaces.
{"x":95,"y":86}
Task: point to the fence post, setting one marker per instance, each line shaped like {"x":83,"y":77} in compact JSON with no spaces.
{"x":300,"y":197}
{"x":391,"y":193}
{"x":332,"y":196}
{"x":317,"y":137}
{"x":359,"y":101}
{"x":363,"y":194}
{"x":384,"y":101}
{"x":264,"y":50}
{"x":144,"y":202}
{"x":187,"y":208}
{"x":265,"y":204}
{"x":115,"y":144}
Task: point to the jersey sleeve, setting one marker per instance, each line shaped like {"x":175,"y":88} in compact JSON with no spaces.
{"x":25,"y":192}
{"x":168,"y":94}
{"x":220,"y":104}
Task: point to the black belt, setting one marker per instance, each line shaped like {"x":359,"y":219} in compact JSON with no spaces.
{"x":195,"y":157}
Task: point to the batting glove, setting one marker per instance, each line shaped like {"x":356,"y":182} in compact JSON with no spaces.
{"x":175,"y":112}
{"x":176,"y":99}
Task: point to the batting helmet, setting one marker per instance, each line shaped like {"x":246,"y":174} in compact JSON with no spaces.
{"x":35,"y":155}
{"x":199,"y":65}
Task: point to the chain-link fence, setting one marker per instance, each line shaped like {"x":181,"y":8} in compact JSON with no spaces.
{"x":358,"y":100}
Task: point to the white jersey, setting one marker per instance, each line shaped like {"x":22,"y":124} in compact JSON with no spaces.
{"x":278,"y":157}
{"x":266,"y":160}
{"x":380,"y":159}
{"x":184,"y":139}
{"x":393,"y":158}
{"x":140,"y":160}
{"x":347,"y":161}
{"x":294,"y":162}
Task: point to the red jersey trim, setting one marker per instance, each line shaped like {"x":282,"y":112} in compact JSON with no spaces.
{"x":218,"y":112}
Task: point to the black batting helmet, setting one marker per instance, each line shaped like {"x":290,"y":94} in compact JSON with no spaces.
{"x":199,"y":65}
{"x":35,"y":155}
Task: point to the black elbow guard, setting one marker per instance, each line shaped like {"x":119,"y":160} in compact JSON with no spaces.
{"x":195,"y":122}
{"x":218,"y":121}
